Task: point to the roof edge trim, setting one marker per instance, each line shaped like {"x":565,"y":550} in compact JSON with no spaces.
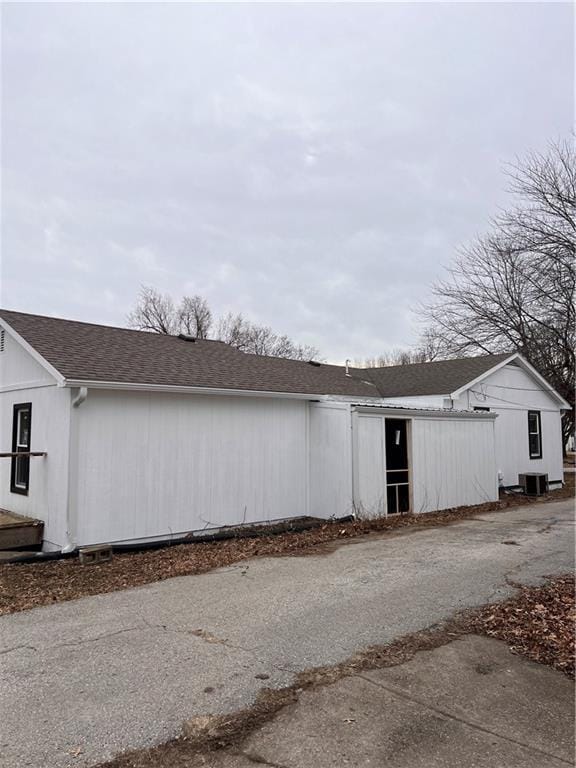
{"x":440,"y":413}
{"x":32,"y":351}
{"x":175,"y":389}
{"x":527,"y":367}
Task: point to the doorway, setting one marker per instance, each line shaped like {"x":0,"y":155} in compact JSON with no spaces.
{"x":397,"y":467}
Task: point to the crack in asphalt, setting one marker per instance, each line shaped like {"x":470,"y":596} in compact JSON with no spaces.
{"x":463,"y":721}
{"x":18,"y":648}
{"x":202,"y":634}
{"x":208,"y":637}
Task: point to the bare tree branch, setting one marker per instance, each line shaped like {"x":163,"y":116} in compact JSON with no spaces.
{"x":514,"y":288}
{"x":157,"y":313}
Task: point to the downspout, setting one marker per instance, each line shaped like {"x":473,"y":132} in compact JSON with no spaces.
{"x":80,"y":397}
{"x":77,"y":401}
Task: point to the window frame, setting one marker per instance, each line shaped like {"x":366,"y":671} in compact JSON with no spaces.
{"x":17,"y":447}
{"x":538,"y":454}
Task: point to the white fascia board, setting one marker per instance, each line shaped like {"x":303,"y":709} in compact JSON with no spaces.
{"x":523,"y":364}
{"x":401,"y":412}
{"x":564,"y":405}
{"x":32,"y":352}
{"x":137,"y":387}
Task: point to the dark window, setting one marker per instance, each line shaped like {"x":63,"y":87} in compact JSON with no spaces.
{"x":480,"y":408}
{"x":20,"y":469}
{"x":534,"y":434}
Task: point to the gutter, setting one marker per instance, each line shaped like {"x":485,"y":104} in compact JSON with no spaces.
{"x":137,"y":387}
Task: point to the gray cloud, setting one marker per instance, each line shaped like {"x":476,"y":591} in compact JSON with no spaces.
{"x":310,"y":165}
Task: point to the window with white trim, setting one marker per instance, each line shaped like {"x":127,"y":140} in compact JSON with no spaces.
{"x":20,"y":469}
{"x":535,"y":434}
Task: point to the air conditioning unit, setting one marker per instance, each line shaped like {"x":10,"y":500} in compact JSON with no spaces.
{"x":534,"y":483}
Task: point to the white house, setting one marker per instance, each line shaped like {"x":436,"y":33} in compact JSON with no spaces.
{"x":145,"y":437}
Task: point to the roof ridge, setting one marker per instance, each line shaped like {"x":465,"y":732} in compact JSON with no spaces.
{"x":105,"y":326}
{"x":404,"y":366}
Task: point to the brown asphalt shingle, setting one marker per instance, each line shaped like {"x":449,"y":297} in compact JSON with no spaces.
{"x":441,"y":377}
{"x":103,"y":353}
{"x":88,"y":352}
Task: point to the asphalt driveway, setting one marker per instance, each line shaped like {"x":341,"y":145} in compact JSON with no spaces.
{"x":83,"y":680}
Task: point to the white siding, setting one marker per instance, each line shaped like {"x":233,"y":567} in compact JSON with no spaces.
{"x":511,"y":393}
{"x":370,"y":465}
{"x":18,"y":367}
{"x":418,"y":401}
{"x":330,"y":460}
{"x":513,"y":457}
{"x":453,"y":463}
{"x":23,"y":380}
{"x":154,"y":465}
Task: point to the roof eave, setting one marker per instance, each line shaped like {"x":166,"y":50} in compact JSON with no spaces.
{"x":169,"y":388}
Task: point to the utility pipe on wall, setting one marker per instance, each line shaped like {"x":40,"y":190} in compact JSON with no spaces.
{"x":70,"y":545}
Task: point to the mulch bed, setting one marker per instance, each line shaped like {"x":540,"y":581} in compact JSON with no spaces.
{"x":25,"y":586}
{"x":537,"y":623}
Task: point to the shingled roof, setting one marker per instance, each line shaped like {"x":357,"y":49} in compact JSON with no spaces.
{"x":440,"y":377}
{"x":85,"y":352}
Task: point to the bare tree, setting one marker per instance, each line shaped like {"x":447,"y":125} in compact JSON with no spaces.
{"x":195,"y":316}
{"x":425,"y":352}
{"x":260,"y":339}
{"x":514,"y":288}
{"x":154,"y":312}
{"x":233,"y":329}
{"x":157,"y":312}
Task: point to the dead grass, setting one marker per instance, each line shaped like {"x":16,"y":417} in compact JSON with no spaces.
{"x":537,"y":623}
{"x":28,"y":586}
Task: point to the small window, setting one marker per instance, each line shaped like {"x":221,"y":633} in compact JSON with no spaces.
{"x":534,"y":434}
{"x":20,"y":469}
{"x":481,"y":408}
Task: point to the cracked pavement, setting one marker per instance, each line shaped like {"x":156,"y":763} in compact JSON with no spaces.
{"x":84,"y":680}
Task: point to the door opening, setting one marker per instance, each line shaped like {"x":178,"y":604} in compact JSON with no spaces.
{"x":397,"y":469}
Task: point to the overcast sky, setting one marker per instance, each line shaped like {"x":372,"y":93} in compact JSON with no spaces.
{"x":312,"y":166}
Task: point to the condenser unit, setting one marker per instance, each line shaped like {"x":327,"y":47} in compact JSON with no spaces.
{"x":533,"y":483}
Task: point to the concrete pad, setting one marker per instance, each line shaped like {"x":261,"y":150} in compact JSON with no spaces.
{"x":471,"y":703}
{"x":477,"y":679}
{"x":123,"y":670}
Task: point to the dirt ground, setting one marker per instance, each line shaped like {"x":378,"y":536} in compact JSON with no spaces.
{"x":25,"y":586}
{"x":537,"y":623}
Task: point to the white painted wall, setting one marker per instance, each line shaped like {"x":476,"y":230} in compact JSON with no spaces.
{"x":511,"y":392}
{"x":18,"y":368}
{"x":330,"y":460}
{"x":452,"y":462}
{"x":23,"y":380}
{"x":151,"y":465}
{"x":369,"y":468}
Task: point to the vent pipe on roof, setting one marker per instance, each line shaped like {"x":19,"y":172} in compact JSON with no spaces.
{"x":347,"y":363}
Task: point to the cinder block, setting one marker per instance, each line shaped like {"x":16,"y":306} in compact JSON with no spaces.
{"x":97,"y":554}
